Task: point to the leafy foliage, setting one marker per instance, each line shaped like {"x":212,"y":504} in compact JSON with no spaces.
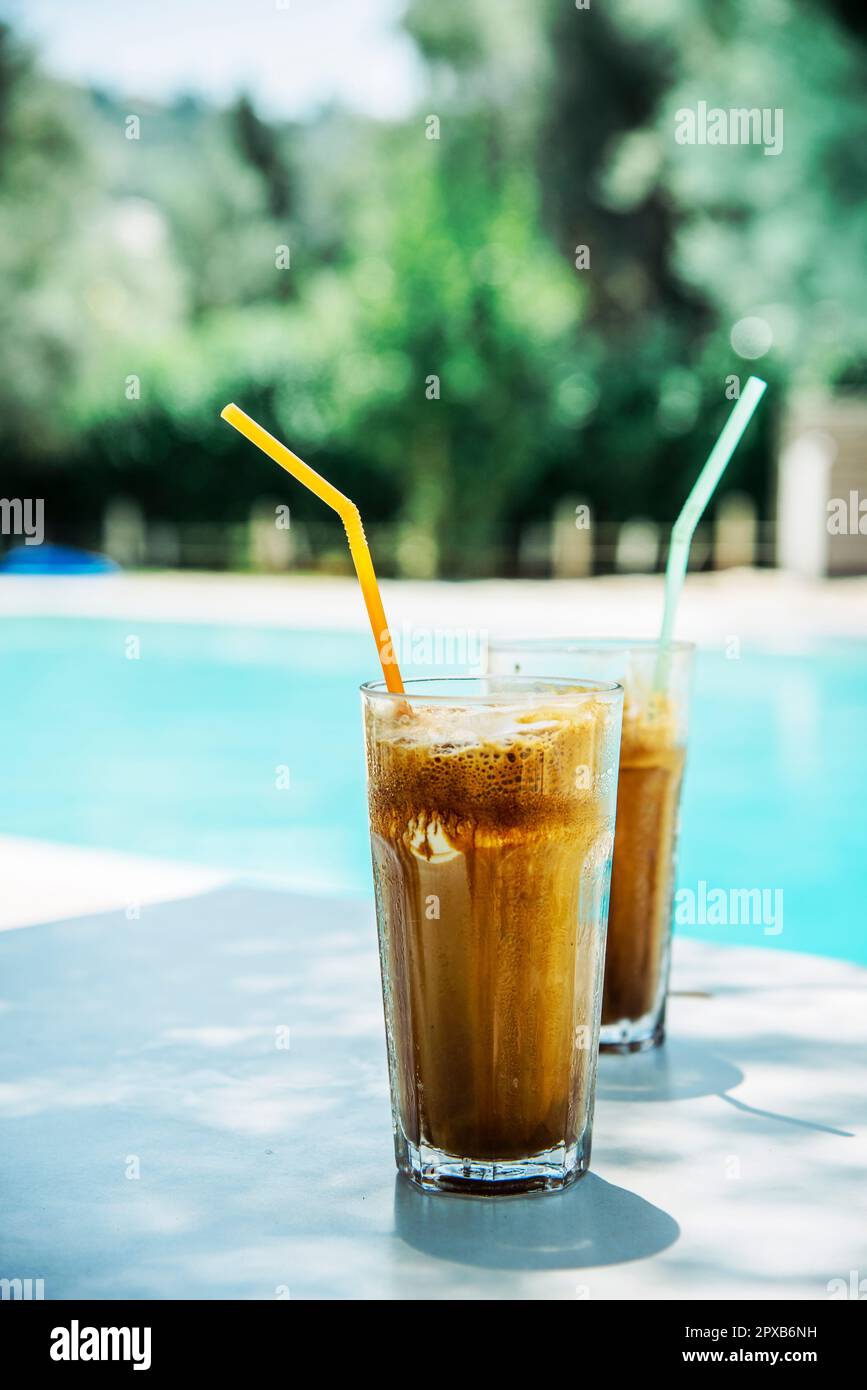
{"x":431,"y":344}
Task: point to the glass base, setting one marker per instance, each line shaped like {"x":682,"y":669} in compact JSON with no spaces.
{"x":433,"y":1170}
{"x":631,"y":1037}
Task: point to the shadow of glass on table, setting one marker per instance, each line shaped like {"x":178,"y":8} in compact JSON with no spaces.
{"x":591,"y":1223}
{"x":679,"y":1070}
{"x":684,"y":1070}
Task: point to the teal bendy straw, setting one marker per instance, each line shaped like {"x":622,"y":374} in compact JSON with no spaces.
{"x":684,"y":528}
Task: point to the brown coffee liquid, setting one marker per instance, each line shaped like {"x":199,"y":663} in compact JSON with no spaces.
{"x":642,"y":877}
{"x":489,"y":867}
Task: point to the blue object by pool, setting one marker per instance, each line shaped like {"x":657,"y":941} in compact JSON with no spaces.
{"x":242,"y":748}
{"x":54,"y":559}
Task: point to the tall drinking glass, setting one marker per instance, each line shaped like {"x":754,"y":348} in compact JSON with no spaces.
{"x":652,"y":756}
{"x":491,"y":820}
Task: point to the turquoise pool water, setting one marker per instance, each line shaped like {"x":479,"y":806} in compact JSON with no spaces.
{"x":178,"y":754}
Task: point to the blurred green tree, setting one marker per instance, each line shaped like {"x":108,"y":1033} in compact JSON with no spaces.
{"x":410,"y":303}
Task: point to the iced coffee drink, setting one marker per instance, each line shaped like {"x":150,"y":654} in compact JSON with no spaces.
{"x":491,"y":814}
{"x":648,"y":799}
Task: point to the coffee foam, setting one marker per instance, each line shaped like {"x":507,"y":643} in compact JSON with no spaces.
{"x":650,"y":727}
{"x":503,"y":764}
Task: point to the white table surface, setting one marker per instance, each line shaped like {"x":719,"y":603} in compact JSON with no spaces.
{"x":728,"y":1165}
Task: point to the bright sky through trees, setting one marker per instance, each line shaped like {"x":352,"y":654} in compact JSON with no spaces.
{"x":295,"y":54}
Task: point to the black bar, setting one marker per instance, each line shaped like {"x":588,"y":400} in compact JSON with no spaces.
{"x":228,"y":1337}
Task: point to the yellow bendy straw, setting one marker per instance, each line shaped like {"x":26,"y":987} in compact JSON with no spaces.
{"x":351,"y":518}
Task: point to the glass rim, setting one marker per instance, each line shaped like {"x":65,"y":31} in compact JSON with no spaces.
{"x":585,"y":644}
{"x":522,"y":689}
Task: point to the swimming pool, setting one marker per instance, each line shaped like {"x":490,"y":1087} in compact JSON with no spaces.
{"x":241,"y":748}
